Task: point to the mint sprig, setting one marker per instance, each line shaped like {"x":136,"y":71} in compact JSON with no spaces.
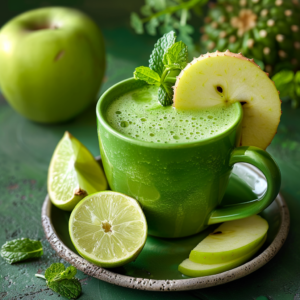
{"x":160,"y":48}
{"x":176,"y":54}
{"x":21,"y":249}
{"x":165,"y":94}
{"x":148,"y":75}
{"x":166,"y":56}
{"x":62,"y":280}
{"x":69,"y":288}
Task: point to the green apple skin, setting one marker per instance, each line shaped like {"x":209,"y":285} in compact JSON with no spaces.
{"x":52,"y":62}
{"x":234,"y":239}
{"x":192,"y":269}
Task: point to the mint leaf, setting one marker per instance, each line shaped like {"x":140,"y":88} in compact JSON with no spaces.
{"x":69,"y":288}
{"x":284,"y":82}
{"x":148,"y":75}
{"x":163,"y":44}
{"x":69,"y":273}
{"x":54,"y":270}
{"x":57,"y":271}
{"x":136,"y":23}
{"x":176,"y":66}
{"x":21,"y":249}
{"x":165,"y":94}
{"x":166,"y":59}
{"x":176,"y":54}
{"x":62,"y":281}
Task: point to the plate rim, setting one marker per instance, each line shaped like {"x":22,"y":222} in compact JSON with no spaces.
{"x":173,"y":284}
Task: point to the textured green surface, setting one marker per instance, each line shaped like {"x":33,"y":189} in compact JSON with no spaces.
{"x":25,"y":152}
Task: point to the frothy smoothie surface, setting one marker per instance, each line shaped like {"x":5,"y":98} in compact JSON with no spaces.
{"x":138,"y":114}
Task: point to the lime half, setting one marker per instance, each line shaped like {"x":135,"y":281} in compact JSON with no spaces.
{"x":108,"y":229}
{"x":73,"y":173}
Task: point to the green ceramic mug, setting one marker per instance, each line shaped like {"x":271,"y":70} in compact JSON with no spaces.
{"x":180,"y":186}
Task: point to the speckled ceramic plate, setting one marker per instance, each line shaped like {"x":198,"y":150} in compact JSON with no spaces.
{"x":155,"y":269}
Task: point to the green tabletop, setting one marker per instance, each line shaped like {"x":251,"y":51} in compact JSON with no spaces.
{"x":25,"y":152}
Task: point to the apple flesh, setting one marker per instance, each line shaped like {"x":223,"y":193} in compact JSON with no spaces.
{"x":230,"y":241}
{"x":221,"y":78}
{"x":192,"y":269}
{"x":52,"y":63}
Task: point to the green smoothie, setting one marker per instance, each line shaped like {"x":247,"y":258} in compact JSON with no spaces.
{"x":138,"y":114}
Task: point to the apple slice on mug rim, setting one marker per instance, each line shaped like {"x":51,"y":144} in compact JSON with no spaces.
{"x":221,"y":78}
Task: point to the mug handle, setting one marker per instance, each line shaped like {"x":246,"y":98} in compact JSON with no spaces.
{"x":265,"y":163}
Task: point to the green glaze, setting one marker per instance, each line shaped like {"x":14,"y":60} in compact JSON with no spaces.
{"x":179,"y":186}
{"x":265,"y":163}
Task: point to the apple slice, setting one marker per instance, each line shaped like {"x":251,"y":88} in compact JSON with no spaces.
{"x":230,"y":241}
{"x":225,"y":77}
{"x":192,"y":269}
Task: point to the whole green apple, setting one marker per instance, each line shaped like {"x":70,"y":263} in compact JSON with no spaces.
{"x":52,"y":62}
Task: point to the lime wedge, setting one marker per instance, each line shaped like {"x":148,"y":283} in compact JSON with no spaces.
{"x":108,"y":229}
{"x":73,"y":173}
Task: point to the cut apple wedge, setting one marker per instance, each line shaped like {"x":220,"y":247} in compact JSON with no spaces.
{"x":192,"y":269}
{"x":230,"y":241}
{"x":221,"y":78}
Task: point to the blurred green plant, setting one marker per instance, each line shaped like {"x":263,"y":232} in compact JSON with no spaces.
{"x":288,"y":84}
{"x":162,"y":16}
{"x":266,"y":30}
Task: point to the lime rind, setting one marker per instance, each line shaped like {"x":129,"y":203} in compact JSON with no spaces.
{"x":63,"y":171}
{"x":73,"y":173}
{"x":126,"y":228}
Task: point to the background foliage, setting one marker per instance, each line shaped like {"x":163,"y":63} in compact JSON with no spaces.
{"x":266,"y":30}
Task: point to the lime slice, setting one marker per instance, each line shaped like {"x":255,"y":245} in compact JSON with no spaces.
{"x":73,"y":173}
{"x":108,"y":229}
